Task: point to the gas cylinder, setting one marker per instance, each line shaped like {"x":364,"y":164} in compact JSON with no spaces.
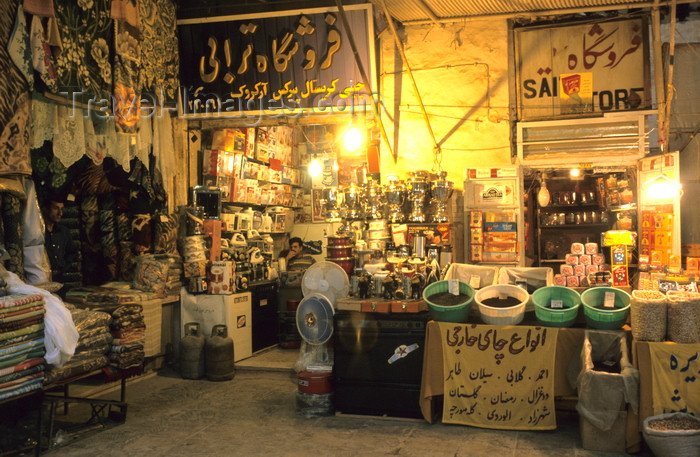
{"x":218,"y":355}
{"x":192,"y":352}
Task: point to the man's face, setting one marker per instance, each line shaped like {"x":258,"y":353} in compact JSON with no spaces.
{"x":295,"y":248}
{"x":54,"y":212}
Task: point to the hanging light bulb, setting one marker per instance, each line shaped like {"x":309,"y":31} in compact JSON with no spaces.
{"x":543,"y":197}
{"x":575,"y":172}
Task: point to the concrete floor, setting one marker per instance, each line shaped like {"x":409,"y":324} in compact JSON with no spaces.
{"x":255,"y":414}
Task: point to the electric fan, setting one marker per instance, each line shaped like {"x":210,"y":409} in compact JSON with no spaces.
{"x":322,"y":285}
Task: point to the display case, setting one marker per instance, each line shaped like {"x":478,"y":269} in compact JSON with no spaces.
{"x":580,"y":210}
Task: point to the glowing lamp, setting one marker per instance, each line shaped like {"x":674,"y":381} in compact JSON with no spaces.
{"x":543,"y":197}
{"x":662,"y":188}
{"x":353,"y":139}
{"x":315,"y":168}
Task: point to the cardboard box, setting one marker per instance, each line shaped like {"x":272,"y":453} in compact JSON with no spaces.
{"x":221,"y":278}
{"x":234,"y":311}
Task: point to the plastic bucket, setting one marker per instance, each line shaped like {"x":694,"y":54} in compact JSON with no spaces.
{"x":555,"y":317}
{"x":456,"y":313}
{"x":511,"y":315}
{"x":605,"y":319}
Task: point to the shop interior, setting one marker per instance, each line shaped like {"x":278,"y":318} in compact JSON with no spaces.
{"x":411,"y":275}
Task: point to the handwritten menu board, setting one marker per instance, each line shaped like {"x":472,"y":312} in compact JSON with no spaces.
{"x":675,"y":372}
{"x":499,"y":377}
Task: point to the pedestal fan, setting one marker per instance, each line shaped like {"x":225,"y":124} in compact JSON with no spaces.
{"x":322,"y":285}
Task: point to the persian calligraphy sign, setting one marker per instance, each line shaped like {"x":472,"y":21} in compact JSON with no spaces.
{"x":281,"y":63}
{"x":499,"y":377}
{"x":675,"y":374}
{"x":582,"y":69}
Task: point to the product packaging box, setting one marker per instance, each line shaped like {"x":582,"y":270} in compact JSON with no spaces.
{"x":222,"y":278}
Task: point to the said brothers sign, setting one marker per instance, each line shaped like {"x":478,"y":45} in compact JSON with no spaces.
{"x":582,"y":69}
{"x":275,"y":64}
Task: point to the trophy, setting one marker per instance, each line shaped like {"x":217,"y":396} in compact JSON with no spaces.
{"x":417,"y":187}
{"x":395,"y":195}
{"x":351,"y":202}
{"x":372,"y":200}
{"x":329,"y":204}
{"x":441,"y":191}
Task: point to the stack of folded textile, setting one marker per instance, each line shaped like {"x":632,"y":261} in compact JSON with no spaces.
{"x":21,"y":344}
{"x":129,"y":332}
{"x":94,"y":342}
{"x":173,"y":284}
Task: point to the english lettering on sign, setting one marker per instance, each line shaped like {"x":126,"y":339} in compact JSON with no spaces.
{"x":582,"y":69}
{"x":605,"y":100}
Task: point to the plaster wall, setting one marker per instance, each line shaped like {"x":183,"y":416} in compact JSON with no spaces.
{"x":461,"y":71}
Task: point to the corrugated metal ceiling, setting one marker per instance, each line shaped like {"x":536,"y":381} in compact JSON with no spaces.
{"x":442,"y":10}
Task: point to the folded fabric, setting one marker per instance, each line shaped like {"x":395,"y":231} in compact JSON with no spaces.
{"x":87,"y":319}
{"x":22,"y":314}
{"x":21,"y":357}
{"x":22,"y":366}
{"x":5,"y":311}
{"x":99,"y":340}
{"x":126,"y":310}
{"x":17,"y":347}
{"x":128,"y":360}
{"x":28,"y":386}
{"x":16,"y":382}
{"x":125,"y":323}
{"x":130,"y":333}
{"x":91,"y":352}
{"x":74,"y":368}
{"x":126,"y":348}
{"x":22,"y":373}
{"x":9,"y":301}
{"x":19,"y":339}
{"x":23,"y":331}
{"x":22,"y":323}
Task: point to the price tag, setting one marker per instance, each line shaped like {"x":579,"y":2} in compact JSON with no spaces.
{"x":556,"y":304}
{"x":609,"y":300}
{"x":475,"y":281}
{"x":453,"y":286}
{"x":163,"y":218}
{"x":70,"y":197}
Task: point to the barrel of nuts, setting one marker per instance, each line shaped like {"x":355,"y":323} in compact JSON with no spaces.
{"x":683,"y":325}
{"x":648,"y":315}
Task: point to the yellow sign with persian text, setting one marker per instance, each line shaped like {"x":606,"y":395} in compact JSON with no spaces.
{"x":675,"y":374}
{"x":499,"y":377}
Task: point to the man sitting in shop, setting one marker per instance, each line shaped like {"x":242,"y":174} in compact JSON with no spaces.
{"x":58,"y":240}
{"x":296,"y":257}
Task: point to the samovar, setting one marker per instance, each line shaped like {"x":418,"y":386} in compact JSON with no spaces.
{"x":351,"y":208}
{"x":372,"y":200}
{"x":441,"y":191}
{"x":395,"y":196}
{"x":417,"y":187}
{"x":330,"y":204}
